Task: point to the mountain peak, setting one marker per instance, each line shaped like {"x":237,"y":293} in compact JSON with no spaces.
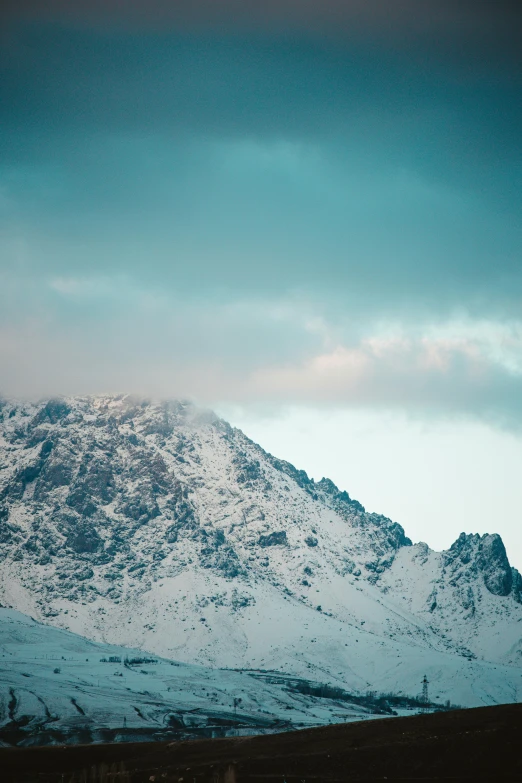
{"x":159,"y":525}
{"x":486,"y":555}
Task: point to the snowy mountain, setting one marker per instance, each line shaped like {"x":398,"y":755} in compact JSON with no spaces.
{"x":159,"y":526}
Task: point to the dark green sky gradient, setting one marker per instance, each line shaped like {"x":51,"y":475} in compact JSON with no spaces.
{"x":365,"y":179}
{"x":152,"y":134}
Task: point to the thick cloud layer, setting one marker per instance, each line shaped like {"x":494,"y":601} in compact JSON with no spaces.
{"x":252,"y":201}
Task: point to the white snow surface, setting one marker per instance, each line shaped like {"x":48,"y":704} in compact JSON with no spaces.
{"x":158,"y":526}
{"x":60,"y":680}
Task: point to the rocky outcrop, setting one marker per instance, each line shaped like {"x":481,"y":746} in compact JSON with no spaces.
{"x":277,"y":538}
{"x":483,"y":556}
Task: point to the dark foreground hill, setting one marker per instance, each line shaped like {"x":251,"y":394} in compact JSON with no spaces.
{"x":476,"y":745}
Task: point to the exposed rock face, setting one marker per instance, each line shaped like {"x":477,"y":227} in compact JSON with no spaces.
{"x":131,"y":520}
{"x":274,"y":539}
{"x":517,"y":585}
{"x":90,"y":474}
{"x":498,"y":576}
{"x":485,"y":555}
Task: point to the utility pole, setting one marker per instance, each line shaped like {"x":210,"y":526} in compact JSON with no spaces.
{"x":425,"y":698}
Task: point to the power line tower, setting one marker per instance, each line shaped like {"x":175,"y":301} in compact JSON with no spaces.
{"x":424,"y":696}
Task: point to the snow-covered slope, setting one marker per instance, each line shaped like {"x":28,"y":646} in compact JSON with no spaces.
{"x":159,"y":526}
{"x":58,"y":685}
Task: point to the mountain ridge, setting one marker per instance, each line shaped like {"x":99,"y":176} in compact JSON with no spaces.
{"x":159,"y":524}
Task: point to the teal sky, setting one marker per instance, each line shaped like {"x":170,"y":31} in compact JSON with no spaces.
{"x":300,"y":207}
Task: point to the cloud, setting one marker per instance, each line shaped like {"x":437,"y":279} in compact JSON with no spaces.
{"x":354,"y":227}
{"x":422,"y":376}
{"x":256,"y":352}
{"x":226,"y":202}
